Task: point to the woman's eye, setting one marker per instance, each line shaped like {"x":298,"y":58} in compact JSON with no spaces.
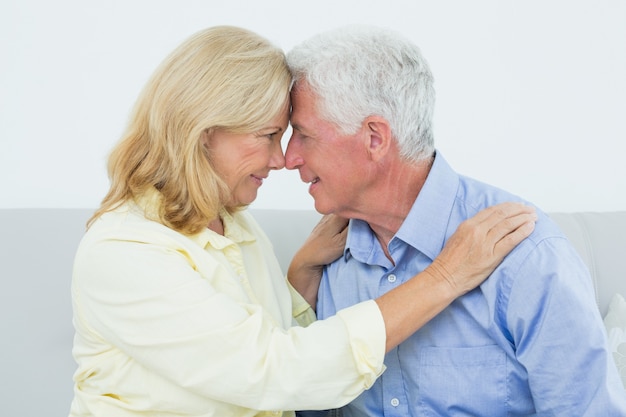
{"x":271,"y":136}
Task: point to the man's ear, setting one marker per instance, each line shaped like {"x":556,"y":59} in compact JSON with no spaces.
{"x":378,"y":136}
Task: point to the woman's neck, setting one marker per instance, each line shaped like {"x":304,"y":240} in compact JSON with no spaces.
{"x":217,"y":226}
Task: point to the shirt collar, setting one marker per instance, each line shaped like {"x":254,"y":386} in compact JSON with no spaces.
{"x":426,"y":224}
{"x":234,"y":230}
{"x":361,"y":243}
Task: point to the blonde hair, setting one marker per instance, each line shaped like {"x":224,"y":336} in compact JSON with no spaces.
{"x":220,"y":78}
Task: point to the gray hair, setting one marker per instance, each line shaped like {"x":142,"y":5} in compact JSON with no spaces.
{"x":360,"y":71}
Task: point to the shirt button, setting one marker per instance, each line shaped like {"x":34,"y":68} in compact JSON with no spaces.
{"x":395,"y":402}
{"x":391,"y":278}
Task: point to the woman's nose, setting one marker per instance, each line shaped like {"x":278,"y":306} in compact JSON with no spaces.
{"x":278,"y":158}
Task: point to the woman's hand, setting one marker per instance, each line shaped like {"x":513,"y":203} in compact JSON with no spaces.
{"x":481,"y":243}
{"x":325,"y":244}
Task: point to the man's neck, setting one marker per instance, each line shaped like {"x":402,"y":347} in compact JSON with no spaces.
{"x":391,"y":200}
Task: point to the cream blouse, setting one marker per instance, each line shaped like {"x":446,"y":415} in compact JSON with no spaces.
{"x":172,"y":325}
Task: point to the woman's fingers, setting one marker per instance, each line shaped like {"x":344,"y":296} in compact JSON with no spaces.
{"x":505,"y":225}
{"x":481,"y":242}
{"x":326,"y":241}
{"x":511,"y":231}
{"x":495,"y":214}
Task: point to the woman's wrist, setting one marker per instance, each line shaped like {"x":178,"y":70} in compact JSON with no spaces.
{"x":305,"y":277}
{"x":444,"y":280}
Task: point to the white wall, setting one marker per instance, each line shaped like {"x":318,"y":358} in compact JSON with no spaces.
{"x":531,"y":94}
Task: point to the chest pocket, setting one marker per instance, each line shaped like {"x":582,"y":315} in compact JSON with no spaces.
{"x":467,"y":381}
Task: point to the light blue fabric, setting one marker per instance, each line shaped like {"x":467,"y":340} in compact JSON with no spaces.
{"x":528,"y":341}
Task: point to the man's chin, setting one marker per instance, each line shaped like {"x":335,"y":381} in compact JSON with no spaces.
{"x":322,"y":208}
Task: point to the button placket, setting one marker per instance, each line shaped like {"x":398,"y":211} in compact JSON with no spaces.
{"x":235,"y":259}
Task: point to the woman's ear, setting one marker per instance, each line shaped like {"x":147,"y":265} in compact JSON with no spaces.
{"x":204,"y":138}
{"x":205,"y":141}
{"x":378,"y":137}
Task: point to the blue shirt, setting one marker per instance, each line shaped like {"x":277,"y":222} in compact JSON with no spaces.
{"x":529,"y":341}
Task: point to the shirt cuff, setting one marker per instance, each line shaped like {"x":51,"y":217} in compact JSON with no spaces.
{"x":366,"y":331}
{"x":301,"y":310}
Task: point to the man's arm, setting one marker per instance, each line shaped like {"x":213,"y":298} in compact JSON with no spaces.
{"x":559,"y":335}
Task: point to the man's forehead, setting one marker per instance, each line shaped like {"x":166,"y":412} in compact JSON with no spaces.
{"x":301,"y":110}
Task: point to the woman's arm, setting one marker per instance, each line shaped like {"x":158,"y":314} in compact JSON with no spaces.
{"x":468,"y":258}
{"x":470,"y":255}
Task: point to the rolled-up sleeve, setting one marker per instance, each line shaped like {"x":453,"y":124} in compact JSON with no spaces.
{"x":367,"y":345}
{"x":301,"y":311}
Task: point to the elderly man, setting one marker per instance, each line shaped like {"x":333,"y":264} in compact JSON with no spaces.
{"x":528,"y":341}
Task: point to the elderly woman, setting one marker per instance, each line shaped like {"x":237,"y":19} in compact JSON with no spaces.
{"x":180,"y":306}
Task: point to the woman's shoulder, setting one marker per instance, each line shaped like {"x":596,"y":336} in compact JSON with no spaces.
{"x":129,"y":223}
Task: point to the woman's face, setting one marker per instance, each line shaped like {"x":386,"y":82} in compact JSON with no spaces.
{"x":244,"y":160}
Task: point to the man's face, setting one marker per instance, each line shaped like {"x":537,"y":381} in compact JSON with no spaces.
{"x":332,"y":163}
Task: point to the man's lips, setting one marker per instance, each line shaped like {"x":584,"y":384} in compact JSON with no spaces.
{"x":313,"y":184}
{"x":309,"y":181}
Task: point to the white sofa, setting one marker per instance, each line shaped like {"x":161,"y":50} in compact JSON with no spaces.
{"x":36,"y":252}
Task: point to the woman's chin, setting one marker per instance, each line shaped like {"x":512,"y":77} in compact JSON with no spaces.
{"x":244,"y":200}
